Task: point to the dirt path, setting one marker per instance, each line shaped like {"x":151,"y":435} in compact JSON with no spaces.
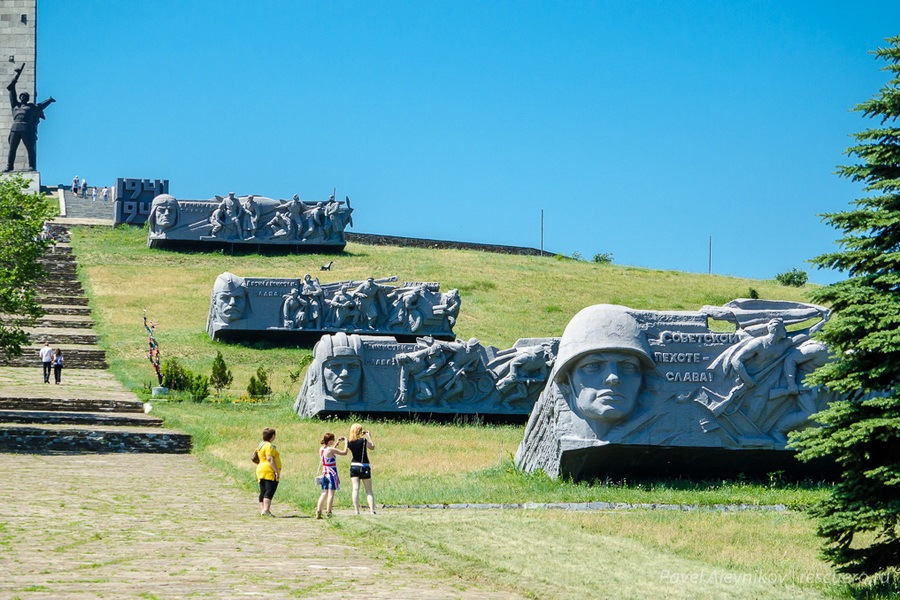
{"x":167,"y":526}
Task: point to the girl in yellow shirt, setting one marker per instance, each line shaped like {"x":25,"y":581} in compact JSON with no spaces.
{"x":268,"y":471}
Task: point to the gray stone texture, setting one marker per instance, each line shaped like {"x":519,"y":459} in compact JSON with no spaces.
{"x":133,"y":197}
{"x":260,"y":308}
{"x":352,"y":374}
{"x":249,"y":221}
{"x":652,"y":392}
{"x":18,"y":44}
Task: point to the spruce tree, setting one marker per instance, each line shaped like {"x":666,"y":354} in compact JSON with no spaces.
{"x":861,"y":432}
{"x":221,"y":376}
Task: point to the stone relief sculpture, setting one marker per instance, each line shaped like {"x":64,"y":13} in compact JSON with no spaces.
{"x":163,"y":213}
{"x":430,"y":377}
{"x":256,"y":220}
{"x":288,"y":307}
{"x":638,"y":387}
{"x":230,"y":300}
{"x":526,"y":373}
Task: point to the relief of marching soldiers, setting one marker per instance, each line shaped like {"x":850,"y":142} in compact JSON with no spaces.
{"x":368,"y":306}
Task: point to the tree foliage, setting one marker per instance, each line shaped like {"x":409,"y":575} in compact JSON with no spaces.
{"x":862,"y":432}
{"x":259,"y":385}
{"x":794,"y":278}
{"x":22,"y":217}
{"x":221,"y":376}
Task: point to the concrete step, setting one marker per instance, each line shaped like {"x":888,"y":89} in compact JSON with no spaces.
{"x":56,"y":337}
{"x":56,"y":309}
{"x":59,"y":288}
{"x":73,"y":439}
{"x":62,"y":300}
{"x":93,"y":405}
{"x":73,"y":358}
{"x":79,"y":418}
{"x":62,"y":323}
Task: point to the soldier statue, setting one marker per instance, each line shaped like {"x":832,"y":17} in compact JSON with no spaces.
{"x":26,"y":116}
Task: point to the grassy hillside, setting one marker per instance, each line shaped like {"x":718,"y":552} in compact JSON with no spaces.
{"x":673,"y":554}
{"x":504,"y":297}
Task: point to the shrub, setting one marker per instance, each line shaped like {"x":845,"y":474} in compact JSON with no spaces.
{"x":603,"y":258}
{"x":199,"y":388}
{"x":175,"y":376}
{"x":752,"y":293}
{"x":221,"y":376}
{"x":793,"y":278}
{"x":259,"y":385}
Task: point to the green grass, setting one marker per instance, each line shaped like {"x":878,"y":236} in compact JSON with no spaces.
{"x":769,"y":554}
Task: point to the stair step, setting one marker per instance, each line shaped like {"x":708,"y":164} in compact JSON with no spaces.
{"x":38,"y":336}
{"x":58,"y":300}
{"x":71,"y":404}
{"x":79,"y":418}
{"x":80,"y":311}
{"x":64,"y":324}
{"x":71,"y":439}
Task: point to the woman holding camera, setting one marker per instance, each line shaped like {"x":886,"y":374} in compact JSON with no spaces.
{"x":359,"y":445}
{"x":331,"y":483}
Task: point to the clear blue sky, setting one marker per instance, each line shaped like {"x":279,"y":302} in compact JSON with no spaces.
{"x":639,"y":128}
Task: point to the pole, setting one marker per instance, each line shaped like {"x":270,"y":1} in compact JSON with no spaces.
{"x":542,"y":232}
{"x":710,"y":255}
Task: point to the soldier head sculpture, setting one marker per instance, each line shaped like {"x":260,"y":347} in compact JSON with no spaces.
{"x":163,"y":213}
{"x":341,"y":363}
{"x":603,"y":357}
{"x":230,"y":298}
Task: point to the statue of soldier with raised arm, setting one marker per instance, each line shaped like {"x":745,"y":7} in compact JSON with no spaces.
{"x":26,"y":116}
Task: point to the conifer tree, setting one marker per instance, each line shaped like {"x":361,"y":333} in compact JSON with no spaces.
{"x":861,"y":433}
{"x":221,"y":376}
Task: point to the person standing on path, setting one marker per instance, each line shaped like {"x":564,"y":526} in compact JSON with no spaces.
{"x":359,"y":445}
{"x":104,"y":195}
{"x":75,"y":184}
{"x":46,"y":354}
{"x":94,"y":194}
{"x":84,"y":188}
{"x":268,"y":471}
{"x":57,"y":365}
{"x":330,"y":480}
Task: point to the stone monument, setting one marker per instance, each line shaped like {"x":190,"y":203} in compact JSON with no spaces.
{"x":661,"y":393}
{"x":18,"y":43}
{"x":296,"y":310}
{"x":252,"y":222}
{"x":133,"y":199}
{"x":431,"y":378}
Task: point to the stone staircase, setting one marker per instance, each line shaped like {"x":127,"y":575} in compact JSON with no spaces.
{"x":89,"y":411}
{"x":83,"y":208}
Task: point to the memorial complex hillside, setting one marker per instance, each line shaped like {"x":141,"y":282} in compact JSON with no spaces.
{"x":505,"y":297}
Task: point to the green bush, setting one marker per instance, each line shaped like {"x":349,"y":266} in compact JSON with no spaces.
{"x":175,"y":376}
{"x":259,"y":384}
{"x":603,"y":258}
{"x":794,"y":278}
{"x":221,"y":376}
{"x":199,"y":388}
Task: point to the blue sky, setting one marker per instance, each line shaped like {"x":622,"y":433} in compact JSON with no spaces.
{"x":639,"y":128}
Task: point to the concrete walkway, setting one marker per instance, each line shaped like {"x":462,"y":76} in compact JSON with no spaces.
{"x":168,"y":526}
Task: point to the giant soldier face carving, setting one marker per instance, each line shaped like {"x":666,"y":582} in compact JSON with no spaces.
{"x":606,"y":385}
{"x":342,"y":376}
{"x":230,"y":297}
{"x":163,"y":213}
{"x":603,"y":356}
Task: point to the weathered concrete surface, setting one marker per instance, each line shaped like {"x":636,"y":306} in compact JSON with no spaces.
{"x":167,"y":526}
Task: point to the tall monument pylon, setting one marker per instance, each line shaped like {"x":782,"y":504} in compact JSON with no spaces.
{"x":18,"y":45}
